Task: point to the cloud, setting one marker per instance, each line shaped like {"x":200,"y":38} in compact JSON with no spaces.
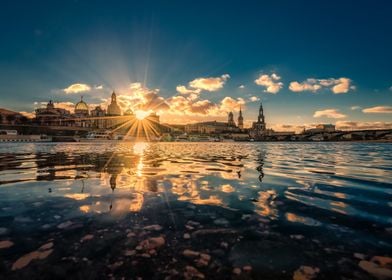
{"x":29,"y":115}
{"x":209,"y":84}
{"x":378,"y":110}
{"x":76,"y":88}
{"x":270,"y":82}
{"x":241,"y":87}
{"x":329,"y":113}
{"x":354,"y":108}
{"x":184,"y":90}
{"x":99,"y":87}
{"x":254,"y":99}
{"x":229,"y":104}
{"x":304,"y":86}
{"x":357,"y":125}
{"x":337,"y":86}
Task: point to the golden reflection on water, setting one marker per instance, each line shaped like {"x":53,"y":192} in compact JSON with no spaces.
{"x":121,"y":179}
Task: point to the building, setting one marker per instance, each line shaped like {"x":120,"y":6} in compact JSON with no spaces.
{"x":230,"y":121}
{"x":322,"y":128}
{"x":240,"y":120}
{"x":97,"y":117}
{"x":51,"y":115}
{"x":113,"y":108}
{"x":10,"y":117}
{"x":258,"y":129}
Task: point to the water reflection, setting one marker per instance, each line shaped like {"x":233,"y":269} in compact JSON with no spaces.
{"x":269,"y":179}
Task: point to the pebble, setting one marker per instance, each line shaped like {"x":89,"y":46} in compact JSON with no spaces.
{"x":152,"y":243}
{"x":153,"y":228}
{"x":131,"y":234}
{"x":359,"y":256}
{"x":221,"y":222}
{"x":190,"y":254}
{"x":296,"y":236}
{"x":306,"y":273}
{"x":65,"y":225}
{"x":46,"y":246}
{"x":26,"y":259}
{"x":237,"y":271}
{"x":191,"y":273}
{"x":129,"y":253}
{"x":376,"y":270}
{"x":247,"y":268}
{"x":87,"y":237}
{"x":6,"y":244}
{"x":187,"y":236}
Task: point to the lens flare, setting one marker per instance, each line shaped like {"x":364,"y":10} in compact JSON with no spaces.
{"x":141,"y":115}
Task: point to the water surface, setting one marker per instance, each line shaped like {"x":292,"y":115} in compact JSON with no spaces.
{"x":247,"y":210}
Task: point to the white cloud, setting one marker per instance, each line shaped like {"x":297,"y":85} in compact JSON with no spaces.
{"x":378,"y":110}
{"x":254,"y":98}
{"x":337,"y":86}
{"x":241,"y":87}
{"x":270,"y":82}
{"x":354,"y":108}
{"x":99,"y":87}
{"x":329,"y":113}
{"x":184,"y":90}
{"x":210,"y":83}
{"x":76,"y":88}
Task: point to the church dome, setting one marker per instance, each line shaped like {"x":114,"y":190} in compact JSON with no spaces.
{"x":81,"y":106}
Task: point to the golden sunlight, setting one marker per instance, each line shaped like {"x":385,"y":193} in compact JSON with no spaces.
{"x":141,"y":115}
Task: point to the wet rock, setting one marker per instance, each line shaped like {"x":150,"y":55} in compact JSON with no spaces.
{"x":306,"y":273}
{"x":152,"y":243}
{"x":376,"y":270}
{"x":190,"y":254}
{"x":237,"y":271}
{"x":247,"y":268}
{"x":87,"y":237}
{"x":6,"y":244}
{"x":191,"y":273}
{"x":189,"y":227}
{"x":3,"y":231}
{"x":116,"y":265}
{"x":46,"y":246}
{"x":129,"y":253}
{"x":153,"y":228}
{"x":65,"y":225}
{"x":131,"y":234}
{"x":359,"y":256}
{"x":221,"y":222}
{"x":26,"y":259}
{"x":193,"y":223}
{"x":187,"y":236}
{"x":297,"y":236}
{"x":224,"y":245}
{"x":382,"y":261}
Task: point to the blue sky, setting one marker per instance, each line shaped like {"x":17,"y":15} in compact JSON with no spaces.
{"x":146,"y":49}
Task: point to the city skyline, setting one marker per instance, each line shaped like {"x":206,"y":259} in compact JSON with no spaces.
{"x":189,"y":69}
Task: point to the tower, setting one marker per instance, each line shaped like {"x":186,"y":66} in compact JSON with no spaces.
{"x":260,"y":118}
{"x":258,"y":130}
{"x":240,"y":120}
{"x":230,"y":121}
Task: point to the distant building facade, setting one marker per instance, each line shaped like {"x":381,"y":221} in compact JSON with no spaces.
{"x":259,"y":128}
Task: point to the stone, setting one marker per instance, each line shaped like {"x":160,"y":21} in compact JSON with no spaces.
{"x":306,"y":273}
{"x":296,"y":236}
{"x":131,"y":234}
{"x":46,"y":246}
{"x":87,"y":237}
{"x":191,"y":273}
{"x":382,"y":261}
{"x":190,"y":254}
{"x":237,"y":271}
{"x":247,"y":268}
{"x":187,"y":236}
{"x":376,"y":270}
{"x":359,"y":256}
{"x":65,"y":225}
{"x":6,"y":244}
{"x":26,"y":259}
{"x":153,"y":228}
{"x":129,"y":253}
{"x":221,"y":222}
{"x":152,"y":243}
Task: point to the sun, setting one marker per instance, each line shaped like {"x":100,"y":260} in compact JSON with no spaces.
{"x":141,"y":115}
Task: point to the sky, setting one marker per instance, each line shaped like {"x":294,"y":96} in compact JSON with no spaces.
{"x":308,"y":62}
